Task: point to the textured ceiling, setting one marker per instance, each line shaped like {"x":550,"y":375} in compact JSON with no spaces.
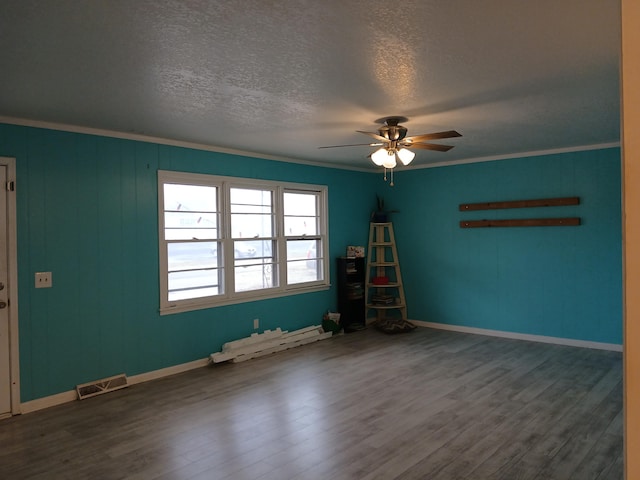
{"x":282,"y":78}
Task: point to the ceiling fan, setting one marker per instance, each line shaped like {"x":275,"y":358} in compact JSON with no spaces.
{"x":395,"y":145}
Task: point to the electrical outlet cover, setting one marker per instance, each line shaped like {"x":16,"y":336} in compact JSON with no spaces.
{"x":43,"y":280}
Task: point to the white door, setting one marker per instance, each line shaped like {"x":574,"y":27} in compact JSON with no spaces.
{"x":8,"y":324}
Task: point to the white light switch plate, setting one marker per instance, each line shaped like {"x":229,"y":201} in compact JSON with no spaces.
{"x":43,"y":280}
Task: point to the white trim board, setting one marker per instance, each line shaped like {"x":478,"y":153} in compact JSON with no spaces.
{"x":12,"y":278}
{"x":516,"y":155}
{"x":521,"y":336}
{"x":70,"y":396}
{"x":212,"y":148}
{"x":170,"y":142}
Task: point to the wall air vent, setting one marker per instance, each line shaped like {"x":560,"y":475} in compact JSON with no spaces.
{"x":98,"y":387}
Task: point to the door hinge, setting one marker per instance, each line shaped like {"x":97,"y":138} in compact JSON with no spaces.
{"x":11,"y":186}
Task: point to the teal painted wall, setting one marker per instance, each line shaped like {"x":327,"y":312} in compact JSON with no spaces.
{"x":87,"y":211}
{"x":554,"y":281}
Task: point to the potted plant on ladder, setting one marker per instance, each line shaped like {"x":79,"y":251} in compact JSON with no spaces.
{"x":380,"y":215}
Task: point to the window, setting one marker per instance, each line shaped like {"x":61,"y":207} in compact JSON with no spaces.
{"x":252,"y":231}
{"x":301,"y":220}
{"x":227,"y":240}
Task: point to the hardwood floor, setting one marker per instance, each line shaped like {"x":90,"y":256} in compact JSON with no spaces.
{"x":430,"y":404}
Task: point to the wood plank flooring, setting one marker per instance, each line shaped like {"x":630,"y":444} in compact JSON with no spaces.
{"x":430,"y":404}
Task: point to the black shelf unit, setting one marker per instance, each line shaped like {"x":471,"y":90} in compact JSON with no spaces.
{"x":351,"y":293}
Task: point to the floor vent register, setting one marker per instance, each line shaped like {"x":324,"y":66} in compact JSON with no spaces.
{"x":98,"y":387}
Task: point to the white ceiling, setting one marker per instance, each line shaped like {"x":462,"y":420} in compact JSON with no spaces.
{"x":282,"y":78}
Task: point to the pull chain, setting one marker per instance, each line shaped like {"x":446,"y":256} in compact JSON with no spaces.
{"x":391,"y":176}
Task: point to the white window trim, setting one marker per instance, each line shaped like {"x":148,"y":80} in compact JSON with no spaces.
{"x":224,"y":184}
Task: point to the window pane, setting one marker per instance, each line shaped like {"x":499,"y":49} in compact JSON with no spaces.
{"x":189,"y":234}
{"x":186,"y":225}
{"x":301,"y":249}
{"x":300,"y":204}
{"x":192,"y":255}
{"x":257,"y":209}
{"x":254,"y":264}
{"x":251,"y":226}
{"x":190,"y":198}
{"x":250,"y":196}
{"x":251,"y":213}
{"x":300,"y":271}
{"x":300,"y":214}
{"x":249,"y":276}
{"x":194,"y":284}
{"x":260,"y":249}
{"x":190,"y":212}
{"x":298,"y":226}
{"x":303,"y":264}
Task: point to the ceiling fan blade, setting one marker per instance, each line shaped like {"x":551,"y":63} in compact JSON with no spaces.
{"x":375,"y":135}
{"x":433,"y":136}
{"x":431,"y":146}
{"x":355,"y":145}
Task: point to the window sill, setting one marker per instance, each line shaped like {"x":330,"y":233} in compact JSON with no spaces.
{"x":189,"y":307}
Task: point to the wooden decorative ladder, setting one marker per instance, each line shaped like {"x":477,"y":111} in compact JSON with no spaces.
{"x":383,"y":283}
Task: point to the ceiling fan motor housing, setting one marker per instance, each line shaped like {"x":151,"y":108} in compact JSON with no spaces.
{"x":392,"y":130}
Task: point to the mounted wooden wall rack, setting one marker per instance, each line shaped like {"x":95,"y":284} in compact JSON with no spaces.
{"x":543,"y":202}
{"x":526,"y":222}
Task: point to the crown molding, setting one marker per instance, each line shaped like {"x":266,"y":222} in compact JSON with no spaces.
{"x":246,"y":153}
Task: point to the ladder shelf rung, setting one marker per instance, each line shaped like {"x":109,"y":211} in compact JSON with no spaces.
{"x":383,"y":264}
{"x":385,"y":285}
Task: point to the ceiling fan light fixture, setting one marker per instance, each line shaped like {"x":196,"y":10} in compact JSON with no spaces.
{"x":379,"y":156}
{"x":405,"y":155}
{"x":390,"y":161}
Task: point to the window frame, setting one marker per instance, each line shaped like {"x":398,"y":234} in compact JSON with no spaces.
{"x":224,"y":185}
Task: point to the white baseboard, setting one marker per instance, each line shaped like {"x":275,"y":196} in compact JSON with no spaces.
{"x":50,"y":401}
{"x":70,"y":396}
{"x":165,"y":372}
{"x":521,"y":336}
